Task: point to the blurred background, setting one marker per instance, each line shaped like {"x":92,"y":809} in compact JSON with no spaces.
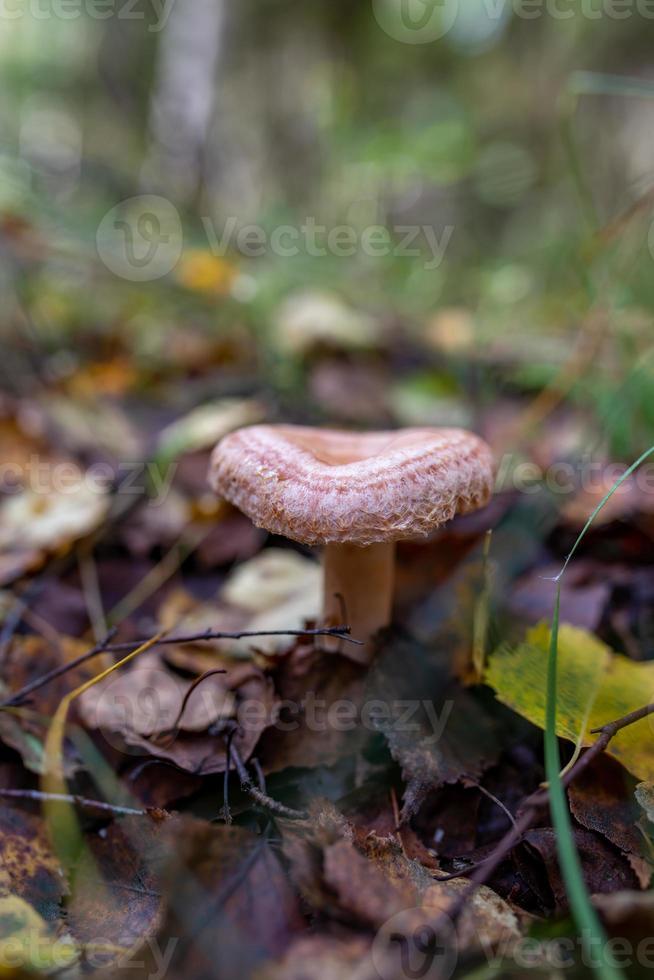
{"x":475,"y":122}
{"x":370,"y":213}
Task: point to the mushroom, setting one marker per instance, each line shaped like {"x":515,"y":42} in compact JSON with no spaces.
{"x":356,"y":494}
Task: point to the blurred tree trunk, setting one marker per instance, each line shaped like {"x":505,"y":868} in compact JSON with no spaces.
{"x":182,"y":101}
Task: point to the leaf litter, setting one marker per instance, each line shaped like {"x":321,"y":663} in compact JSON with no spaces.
{"x":418,"y":791}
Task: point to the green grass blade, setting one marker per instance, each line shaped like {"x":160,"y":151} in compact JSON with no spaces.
{"x":585,"y":916}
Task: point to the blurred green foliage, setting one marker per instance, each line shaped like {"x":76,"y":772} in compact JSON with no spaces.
{"x":488,"y":136}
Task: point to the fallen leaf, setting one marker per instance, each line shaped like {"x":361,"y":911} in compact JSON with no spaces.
{"x":231,"y":907}
{"x":626,"y":501}
{"x":24,"y":728}
{"x":436,"y":730}
{"x":51,"y":519}
{"x":595,"y":686}
{"x":644,"y":794}
{"x":487,"y":921}
{"x":363,"y":890}
{"x":604,"y":868}
{"x":451,"y":331}
{"x":312,"y":318}
{"x":629,"y":915}
{"x":116,"y":895}
{"x":16,"y":563}
{"x":601,"y":799}
{"x":146,"y":700}
{"x":91,"y":425}
{"x":113,"y":377}
{"x":203,"y":272}
{"x":27,"y":941}
{"x":309,"y":683}
{"x":136,"y":711}
{"x":28,"y":867}
{"x":277,"y":590}
{"x":368,"y":879}
{"x":323,"y":957}
{"x":203,"y":427}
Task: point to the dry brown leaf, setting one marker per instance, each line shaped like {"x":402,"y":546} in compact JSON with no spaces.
{"x":136,"y":710}
{"x":116,"y":895}
{"x":230,"y":905}
{"x":323,"y":958}
{"x":28,"y":866}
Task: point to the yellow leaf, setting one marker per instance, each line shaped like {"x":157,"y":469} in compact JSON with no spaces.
{"x":26,"y":939}
{"x":595,"y":686}
{"x":202,"y":272}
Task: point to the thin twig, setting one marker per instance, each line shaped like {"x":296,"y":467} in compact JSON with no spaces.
{"x":261,"y":779}
{"x":494,"y":799}
{"x":83,"y":801}
{"x":107,"y":647}
{"x":342,"y":632}
{"x":257,"y":794}
{"x":228,"y":746}
{"x":198,"y":680}
{"x":19,"y":697}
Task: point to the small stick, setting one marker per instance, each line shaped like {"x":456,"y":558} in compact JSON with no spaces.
{"x":262,"y":798}
{"x":83,"y":801}
{"x":342,"y":632}
{"x":261,"y":779}
{"x":107,"y":647}
{"x":228,"y":743}
{"x":198,"y":680}
{"x":494,"y":799}
{"x":15,"y":699}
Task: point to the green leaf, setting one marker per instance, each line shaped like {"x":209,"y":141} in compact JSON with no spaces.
{"x":594,"y":686}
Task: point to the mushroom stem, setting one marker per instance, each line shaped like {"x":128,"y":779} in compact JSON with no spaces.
{"x":363,"y":578}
